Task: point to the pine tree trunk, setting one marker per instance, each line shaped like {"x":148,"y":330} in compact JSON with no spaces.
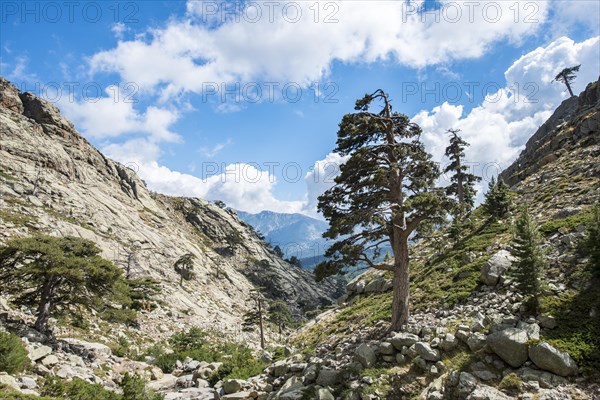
{"x":569,"y":88}
{"x":459,"y":189}
{"x":400,"y":286}
{"x":260,"y":324}
{"x":45,"y":307}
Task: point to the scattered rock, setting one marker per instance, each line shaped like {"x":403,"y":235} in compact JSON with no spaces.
{"x":426,"y":352}
{"x":37,"y":352}
{"x":233,"y":385}
{"x":495,"y":267}
{"x":365,"y":355}
{"x":510,"y":345}
{"x":401,"y":339}
{"x":547,"y":321}
{"x":551,"y":359}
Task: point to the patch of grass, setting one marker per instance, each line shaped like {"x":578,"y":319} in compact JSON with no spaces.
{"x":7,"y":176}
{"x":511,"y":384}
{"x":578,"y":326}
{"x":567,"y":224}
{"x":17,"y":219}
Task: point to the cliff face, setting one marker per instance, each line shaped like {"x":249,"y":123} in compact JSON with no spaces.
{"x":570,"y":123}
{"x":53,"y":180}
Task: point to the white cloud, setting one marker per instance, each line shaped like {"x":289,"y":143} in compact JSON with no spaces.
{"x":211,"y":152}
{"x":499,"y":128}
{"x":575,"y":14}
{"x":110,"y":116}
{"x":321,"y":178}
{"x":188,"y":53}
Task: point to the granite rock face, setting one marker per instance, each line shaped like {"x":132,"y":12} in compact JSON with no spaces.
{"x":53,"y":180}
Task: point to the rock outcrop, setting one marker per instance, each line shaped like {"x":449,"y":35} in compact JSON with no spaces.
{"x":53,"y":181}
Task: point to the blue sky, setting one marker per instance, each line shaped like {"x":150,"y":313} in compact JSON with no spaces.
{"x":139,"y":80}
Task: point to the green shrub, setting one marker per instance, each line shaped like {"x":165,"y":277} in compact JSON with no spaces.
{"x":77,"y":389}
{"x":567,"y":224}
{"x":134,"y":388}
{"x":238,"y":360}
{"x":166,"y":362}
{"x":7,"y":393}
{"x":120,"y":316}
{"x":13,"y":356}
{"x":511,"y":383}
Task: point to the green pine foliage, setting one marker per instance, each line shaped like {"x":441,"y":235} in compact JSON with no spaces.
{"x":462,"y":185}
{"x":383,"y":192}
{"x":528,"y":269}
{"x":184,"y":266}
{"x":53,"y":274}
{"x":13,"y":355}
{"x":497,"y":199}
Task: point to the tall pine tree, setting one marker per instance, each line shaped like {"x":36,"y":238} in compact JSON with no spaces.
{"x":383,"y":192}
{"x":528,"y":268}
{"x":462,"y":185}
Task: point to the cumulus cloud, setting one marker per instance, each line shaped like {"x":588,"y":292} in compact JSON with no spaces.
{"x":110,"y":116}
{"x":499,"y":128}
{"x":320,"y":178}
{"x":304,"y":38}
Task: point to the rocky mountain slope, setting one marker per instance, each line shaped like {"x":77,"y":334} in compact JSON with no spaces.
{"x":53,"y":181}
{"x":469,"y":336}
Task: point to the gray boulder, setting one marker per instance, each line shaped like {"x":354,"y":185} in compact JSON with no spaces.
{"x":9,"y":381}
{"x":324,"y":394}
{"x":328,"y":377}
{"x":233,"y":386}
{"x":476,"y":341}
{"x":510,"y":345}
{"x":547,"y":321}
{"x":449,"y":342}
{"x":401,"y":339}
{"x":37,"y":352}
{"x":549,"y":358}
{"x":533,"y":330}
{"x":387,"y":348}
{"x":425,"y":351}
{"x":487,"y":393}
{"x":365,"y":355}
{"x":280,"y":368}
{"x":495,"y":267}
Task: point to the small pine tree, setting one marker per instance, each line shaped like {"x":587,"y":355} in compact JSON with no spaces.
{"x":277,"y":250}
{"x":530,"y":259}
{"x":497,"y":199}
{"x":184,"y":266}
{"x":280,"y":314}
{"x":567,"y":76}
{"x":255,"y":316}
{"x":462,"y":182}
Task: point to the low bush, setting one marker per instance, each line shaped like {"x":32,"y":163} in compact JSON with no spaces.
{"x":13,"y":355}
